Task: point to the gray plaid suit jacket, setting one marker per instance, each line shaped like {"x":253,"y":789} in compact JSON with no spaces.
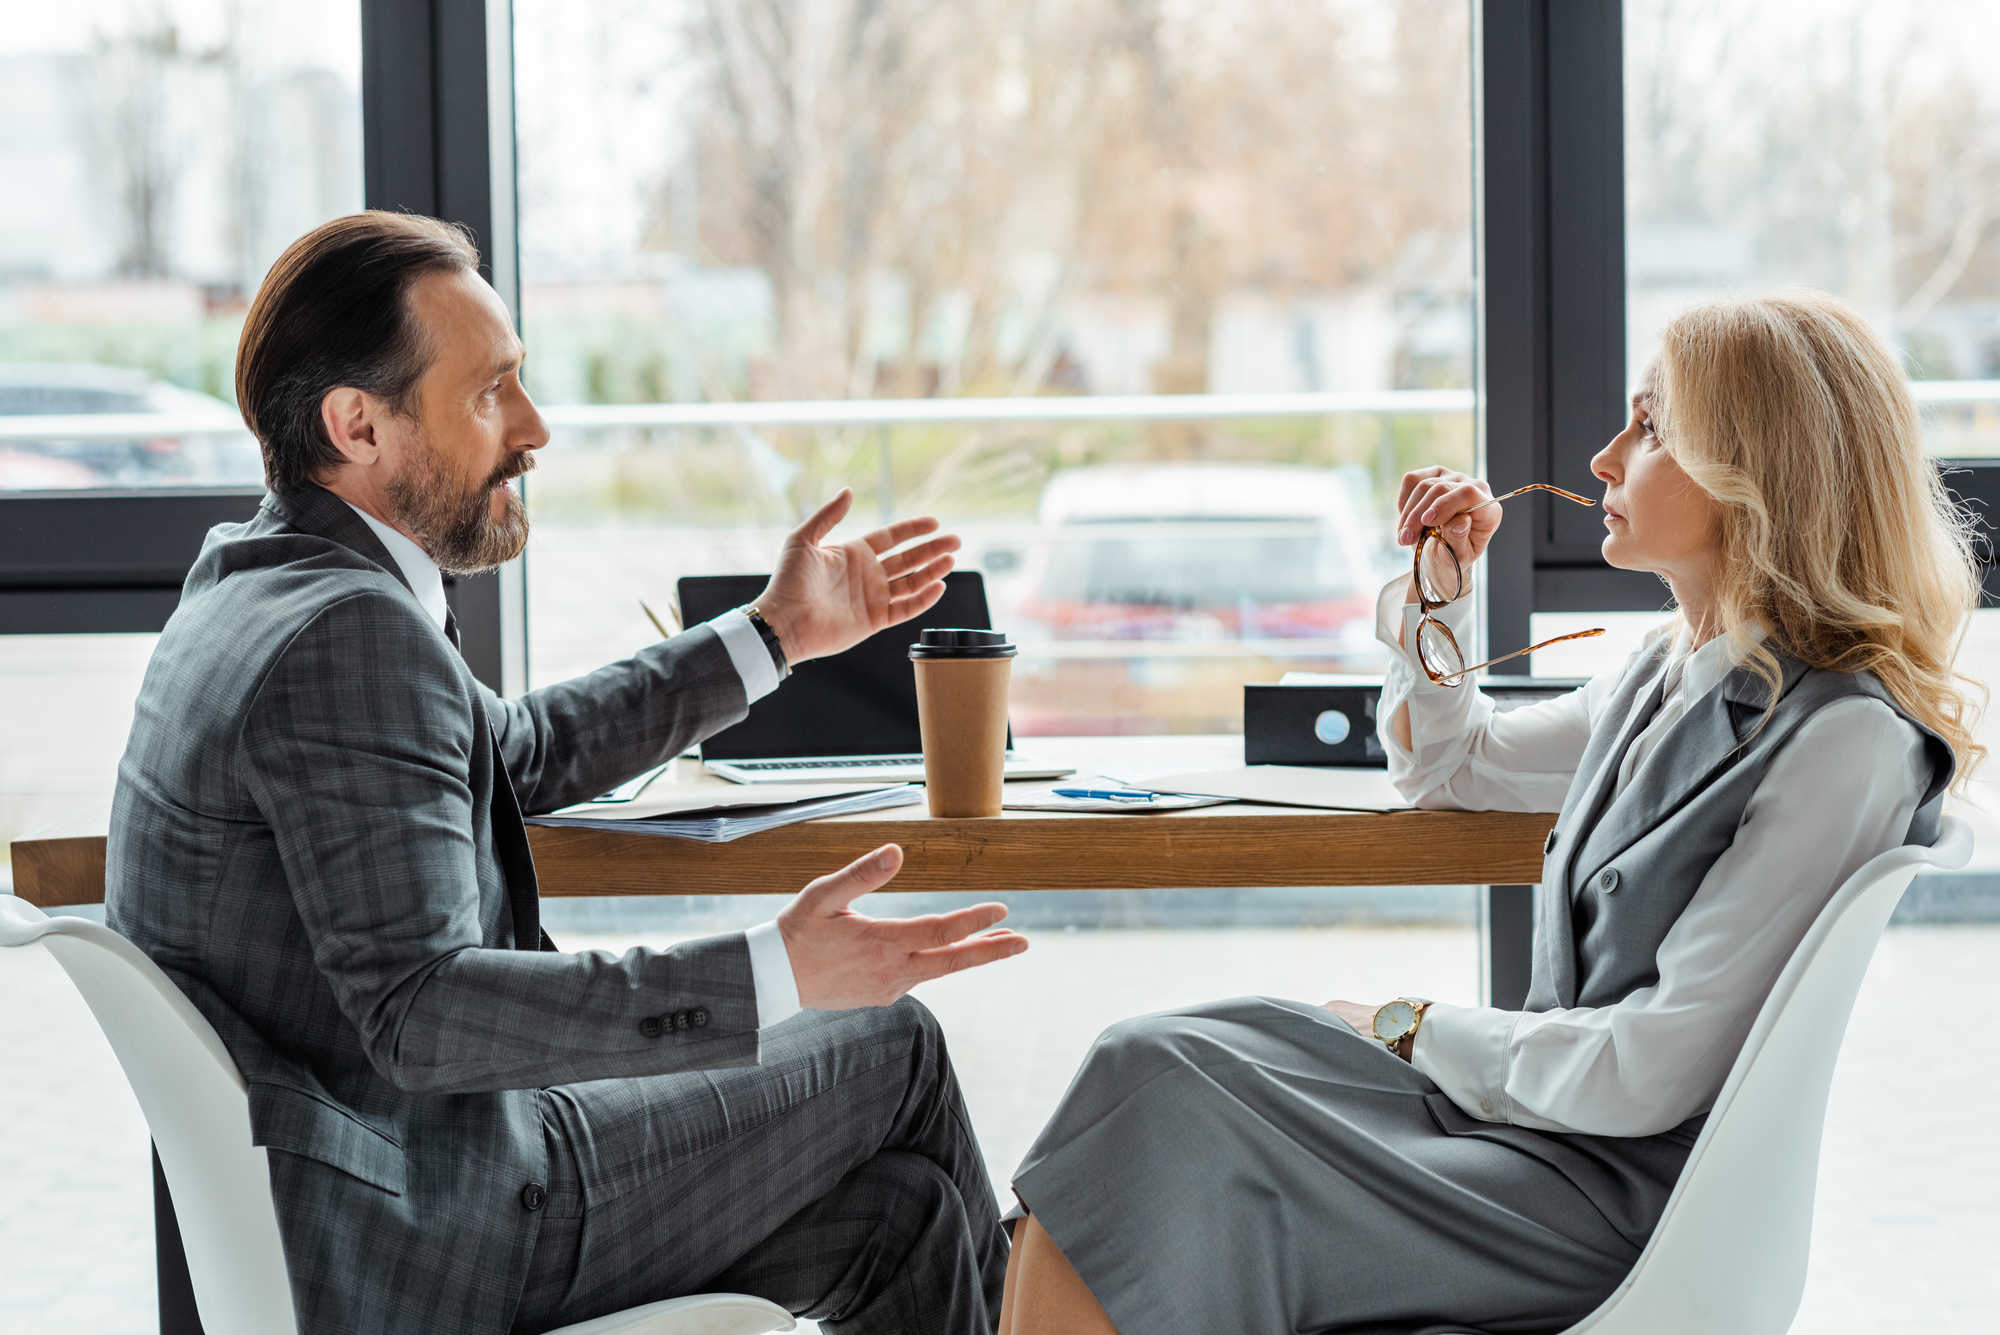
{"x":316,"y":836}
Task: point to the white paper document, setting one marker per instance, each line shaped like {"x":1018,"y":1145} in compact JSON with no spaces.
{"x":630,"y":789}
{"x":680,"y":799}
{"x":1112,"y":805}
{"x":1322,"y":786}
{"x":714,"y":814}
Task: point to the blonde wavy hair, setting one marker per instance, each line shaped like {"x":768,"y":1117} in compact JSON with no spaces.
{"x":1836,"y":532}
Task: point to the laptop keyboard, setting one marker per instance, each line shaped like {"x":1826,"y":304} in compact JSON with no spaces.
{"x":829,"y":762}
{"x":900,"y":767}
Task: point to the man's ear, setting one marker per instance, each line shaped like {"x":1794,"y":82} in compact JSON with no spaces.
{"x":348,"y":415}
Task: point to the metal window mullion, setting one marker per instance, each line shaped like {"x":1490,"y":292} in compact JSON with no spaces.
{"x":436,"y":141}
{"x":1552,"y":280}
{"x":1511,"y":200}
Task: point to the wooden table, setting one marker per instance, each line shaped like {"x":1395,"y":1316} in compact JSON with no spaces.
{"x":1222,"y":848}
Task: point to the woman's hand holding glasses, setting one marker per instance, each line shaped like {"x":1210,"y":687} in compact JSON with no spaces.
{"x":1438,"y":498}
{"x":1449,"y":518}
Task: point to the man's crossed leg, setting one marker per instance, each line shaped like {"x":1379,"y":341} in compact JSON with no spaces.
{"x":838,"y":1178}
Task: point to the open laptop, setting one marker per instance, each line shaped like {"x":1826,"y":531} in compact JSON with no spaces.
{"x":852,"y":717}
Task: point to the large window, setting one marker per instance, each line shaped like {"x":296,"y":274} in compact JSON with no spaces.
{"x":1152,"y":303}
{"x":1848,"y":146}
{"x":157,"y":158}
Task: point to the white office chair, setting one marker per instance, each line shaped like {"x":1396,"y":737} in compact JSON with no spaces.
{"x":1729,"y":1255}
{"x":198,"y":1107}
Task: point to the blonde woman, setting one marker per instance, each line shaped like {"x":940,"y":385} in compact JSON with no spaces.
{"x":1267,"y":1166}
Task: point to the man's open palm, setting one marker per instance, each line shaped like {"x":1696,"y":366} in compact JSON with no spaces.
{"x":826,"y":597}
{"x":842,"y":959}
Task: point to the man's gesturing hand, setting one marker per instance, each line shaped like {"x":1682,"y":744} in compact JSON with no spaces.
{"x":843,"y":959}
{"x":826,"y":597}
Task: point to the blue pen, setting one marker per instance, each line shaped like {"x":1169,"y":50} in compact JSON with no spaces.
{"x":1108,"y":794}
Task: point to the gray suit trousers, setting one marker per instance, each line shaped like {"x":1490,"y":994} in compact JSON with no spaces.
{"x":839,"y":1178}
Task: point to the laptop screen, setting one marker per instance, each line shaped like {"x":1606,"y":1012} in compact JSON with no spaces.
{"x":860,"y":703}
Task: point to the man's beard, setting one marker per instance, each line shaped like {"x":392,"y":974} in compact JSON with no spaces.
{"x":455,"y":523}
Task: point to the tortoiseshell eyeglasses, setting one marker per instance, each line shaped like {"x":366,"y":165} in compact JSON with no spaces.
{"x":1437,"y":648}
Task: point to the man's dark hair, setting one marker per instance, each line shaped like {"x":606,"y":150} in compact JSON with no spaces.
{"x":334,"y":311}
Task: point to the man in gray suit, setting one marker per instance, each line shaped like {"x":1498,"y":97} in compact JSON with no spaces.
{"x":317,"y":833}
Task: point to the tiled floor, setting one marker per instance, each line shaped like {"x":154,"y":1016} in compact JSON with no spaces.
{"x":1907,"y":1235}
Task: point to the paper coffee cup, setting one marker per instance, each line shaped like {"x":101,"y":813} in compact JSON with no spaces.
{"x":962,"y":713}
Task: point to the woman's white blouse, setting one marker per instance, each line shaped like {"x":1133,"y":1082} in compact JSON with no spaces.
{"x":1840,"y":792}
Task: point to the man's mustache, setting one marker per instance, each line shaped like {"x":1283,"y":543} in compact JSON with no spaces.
{"x":513,"y":467}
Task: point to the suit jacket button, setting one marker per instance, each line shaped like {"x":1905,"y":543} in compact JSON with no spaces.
{"x":681,"y":1020}
{"x":650,"y":1026}
{"x":1608,"y":882}
{"x":534,"y":1196}
{"x":698,"y":1017}
{"x":1549,"y":844}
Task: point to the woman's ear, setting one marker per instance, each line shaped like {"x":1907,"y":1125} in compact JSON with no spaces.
{"x":348,"y":416}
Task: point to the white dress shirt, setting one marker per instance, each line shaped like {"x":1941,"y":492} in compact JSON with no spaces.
{"x":1840,"y":792}
{"x":770,"y":967}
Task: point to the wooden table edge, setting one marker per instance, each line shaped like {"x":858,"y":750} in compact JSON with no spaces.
{"x":1017,"y":853}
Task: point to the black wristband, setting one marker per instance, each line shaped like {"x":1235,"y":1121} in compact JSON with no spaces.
{"x":770,"y":638}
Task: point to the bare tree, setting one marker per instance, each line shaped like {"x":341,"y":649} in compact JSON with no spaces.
{"x":1840,"y":163}
{"x":856,"y":146}
{"x":131,"y":122}
{"x":250,"y":142}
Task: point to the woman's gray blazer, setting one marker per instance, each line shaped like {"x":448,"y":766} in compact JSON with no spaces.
{"x":312,"y":837}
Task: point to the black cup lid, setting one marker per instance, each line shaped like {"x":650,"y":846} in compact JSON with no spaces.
{"x":953,"y":643}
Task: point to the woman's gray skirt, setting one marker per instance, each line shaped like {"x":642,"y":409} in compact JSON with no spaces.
{"x":1255,"y":1165}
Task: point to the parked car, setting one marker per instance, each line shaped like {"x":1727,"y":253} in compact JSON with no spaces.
{"x":218,"y":458}
{"x":1154,"y":591}
{"x":1197,"y":551}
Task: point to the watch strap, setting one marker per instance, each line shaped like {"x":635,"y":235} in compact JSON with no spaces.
{"x":1406,"y":1046}
{"x":769,"y":636}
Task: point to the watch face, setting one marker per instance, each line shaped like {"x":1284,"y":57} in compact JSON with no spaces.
{"x":1395,"y":1020}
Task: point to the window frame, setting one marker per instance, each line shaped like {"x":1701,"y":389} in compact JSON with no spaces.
{"x":438,"y":139}
{"x":1551,"y":197}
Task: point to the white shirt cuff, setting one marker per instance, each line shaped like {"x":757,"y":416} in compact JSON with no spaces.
{"x":1463,"y":1049}
{"x":1396,"y":629}
{"x":770,"y":964}
{"x":747,"y":654}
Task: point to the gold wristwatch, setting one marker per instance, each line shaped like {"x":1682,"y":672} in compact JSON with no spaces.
{"x":1397,"y":1020}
